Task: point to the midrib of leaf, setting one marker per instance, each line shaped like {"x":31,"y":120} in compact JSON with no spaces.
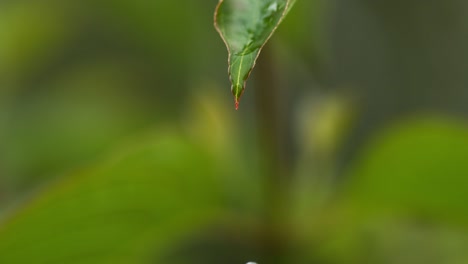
{"x":239,"y":74}
{"x":238,"y":82}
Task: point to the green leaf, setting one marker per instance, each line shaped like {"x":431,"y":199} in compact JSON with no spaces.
{"x":407,"y":191}
{"x":417,"y":168}
{"x":128,"y":210}
{"x":245,"y":26}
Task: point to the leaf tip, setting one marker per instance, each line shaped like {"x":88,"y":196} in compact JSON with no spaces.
{"x":237,"y":91}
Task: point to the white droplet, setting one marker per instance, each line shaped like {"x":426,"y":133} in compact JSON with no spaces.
{"x":272,"y":8}
{"x":251,"y":263}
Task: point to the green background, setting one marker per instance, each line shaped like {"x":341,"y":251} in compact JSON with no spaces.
{"x":119,"y":142}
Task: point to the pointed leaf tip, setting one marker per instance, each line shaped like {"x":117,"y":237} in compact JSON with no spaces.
{"x":237,"y":91}
{"x":245,"y":26}
{"x":237,"y":97}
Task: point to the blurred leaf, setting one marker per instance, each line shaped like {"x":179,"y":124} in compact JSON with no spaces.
{"x":405,"y":198}
{"x":245,"y":26}
{"x":417,"y":168}
{"x":125,"y":211}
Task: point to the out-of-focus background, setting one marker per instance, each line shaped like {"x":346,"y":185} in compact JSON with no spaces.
{"x":119,"y":142}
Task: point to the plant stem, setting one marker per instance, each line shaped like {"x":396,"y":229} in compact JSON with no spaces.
{"x":271,"y":110}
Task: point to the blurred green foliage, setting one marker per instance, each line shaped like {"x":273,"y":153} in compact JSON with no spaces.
{"x":417,"y":168}
{"x":119,"y":142}
{"x":120,"y":211}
